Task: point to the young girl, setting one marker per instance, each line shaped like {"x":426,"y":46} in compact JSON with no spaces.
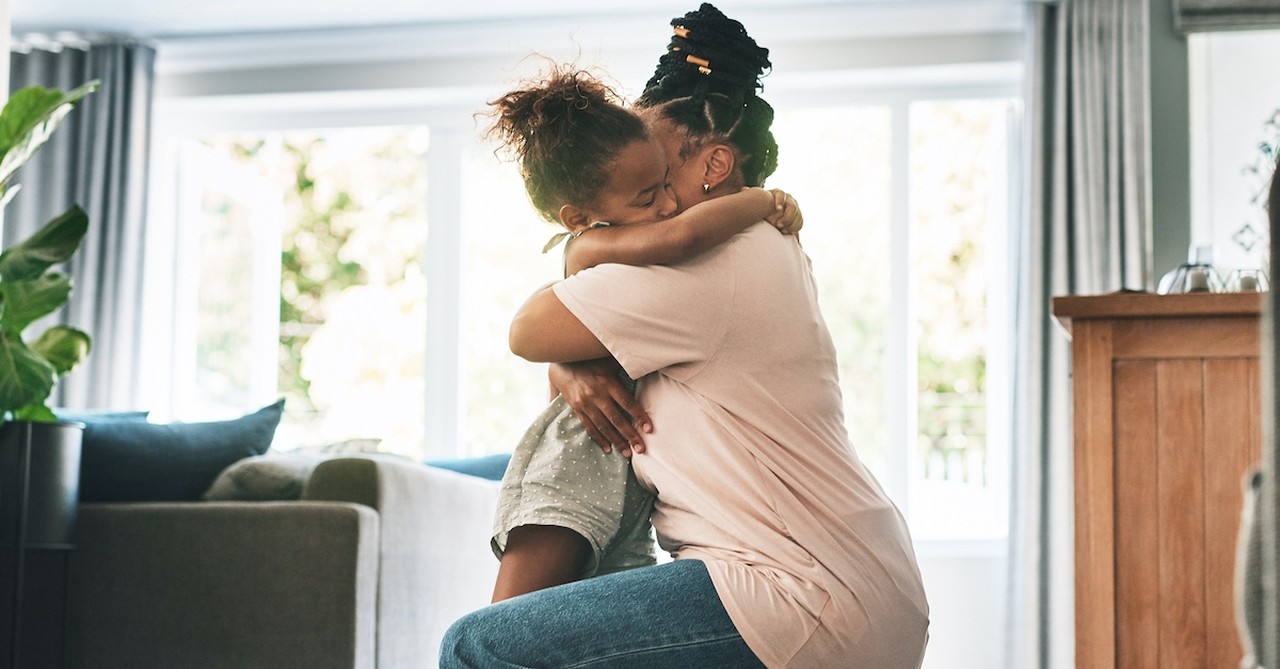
{"x":569,"y":508}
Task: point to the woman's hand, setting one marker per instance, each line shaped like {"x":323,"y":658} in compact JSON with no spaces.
{"x":786,"y":216}
{"x":611,"y":414}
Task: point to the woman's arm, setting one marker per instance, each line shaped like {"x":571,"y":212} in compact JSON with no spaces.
{"x":696,"y":229}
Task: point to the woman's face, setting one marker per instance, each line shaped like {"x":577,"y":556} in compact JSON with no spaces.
{"x":637,"y":190}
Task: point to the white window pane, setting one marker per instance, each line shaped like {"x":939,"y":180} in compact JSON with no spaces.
{"x":836,"y":162}
{"x":958,"y":155}
{"x":224,"y":354}
{"x":230,"y":228}
{"x":502,"y":265}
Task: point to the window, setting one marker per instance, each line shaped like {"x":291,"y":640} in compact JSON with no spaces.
{"x":901,"y":165}
{"x":905,"y":203}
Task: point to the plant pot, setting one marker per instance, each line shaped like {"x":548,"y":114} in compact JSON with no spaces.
{"x":39,"y":491}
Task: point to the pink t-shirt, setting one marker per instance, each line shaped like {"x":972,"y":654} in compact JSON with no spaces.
{"x":750,"y":458}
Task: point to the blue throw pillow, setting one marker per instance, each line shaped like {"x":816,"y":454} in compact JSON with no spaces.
{"x":135,"y":461}
{"x":87,"y":416}
{"x":490,"y":467}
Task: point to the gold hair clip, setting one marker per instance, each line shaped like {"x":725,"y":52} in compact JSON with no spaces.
{"x":680,"y":31}
{"x":704,"y":65}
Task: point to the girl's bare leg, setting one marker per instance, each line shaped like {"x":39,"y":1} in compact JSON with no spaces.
{"x":537,"y":557}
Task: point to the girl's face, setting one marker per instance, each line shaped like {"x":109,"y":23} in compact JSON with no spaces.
{"x":637,"y":190}
{"x":686,"y":174}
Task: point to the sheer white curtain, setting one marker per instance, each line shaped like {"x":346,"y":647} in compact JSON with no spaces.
{"x":1085,"y":232}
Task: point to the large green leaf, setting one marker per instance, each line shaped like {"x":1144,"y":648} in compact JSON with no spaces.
{"x":26,"y":301}
{"x":50,"y":245}
{"x":28,"y":118}
{"x":64,"y":347}
{"x":25,"y":377}
{"x":36,"y":412}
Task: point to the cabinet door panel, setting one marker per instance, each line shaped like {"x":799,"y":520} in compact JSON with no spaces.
{"x":1231,"y":441}
{"x":1180,"y":512}
{"x":1137,"y":573}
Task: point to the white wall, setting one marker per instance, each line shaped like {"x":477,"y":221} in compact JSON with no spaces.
{"x":967,"y":602}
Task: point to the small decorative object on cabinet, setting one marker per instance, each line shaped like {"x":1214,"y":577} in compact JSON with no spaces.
{"x":1167,"y":423}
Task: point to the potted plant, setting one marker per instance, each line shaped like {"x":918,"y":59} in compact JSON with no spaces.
{"x":39,"y":457}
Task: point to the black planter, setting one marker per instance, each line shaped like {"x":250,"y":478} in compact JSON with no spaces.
{"x":39,"y":490}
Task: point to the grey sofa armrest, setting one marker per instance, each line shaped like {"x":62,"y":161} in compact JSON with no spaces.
{"x":435,"y":560}
{"x":215,"y":585}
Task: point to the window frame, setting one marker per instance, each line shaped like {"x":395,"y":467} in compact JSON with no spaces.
{"x":449,"y":113}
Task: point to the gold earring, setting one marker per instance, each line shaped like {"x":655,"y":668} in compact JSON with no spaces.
{"x":706,"y":188}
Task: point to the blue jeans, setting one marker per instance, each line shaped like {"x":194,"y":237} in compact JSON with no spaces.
{"x":664,"y":616}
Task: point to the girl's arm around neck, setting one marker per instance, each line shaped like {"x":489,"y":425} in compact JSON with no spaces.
{"x":695,"y":230}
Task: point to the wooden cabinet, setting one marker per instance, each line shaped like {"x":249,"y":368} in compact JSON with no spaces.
{"x":1166,"y":425}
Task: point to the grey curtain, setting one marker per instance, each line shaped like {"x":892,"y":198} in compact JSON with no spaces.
{"x":1086,"y":231}
{"x":97,"y":159}
{"x":1209,"y":15}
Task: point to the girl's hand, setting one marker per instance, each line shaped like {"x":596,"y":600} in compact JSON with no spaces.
{"x":786,"y":216}
{"x":610,"y":413}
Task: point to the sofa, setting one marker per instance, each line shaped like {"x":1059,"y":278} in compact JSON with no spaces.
{"x":367,"y":568}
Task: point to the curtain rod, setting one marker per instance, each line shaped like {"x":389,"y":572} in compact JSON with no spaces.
{"x":55,"y":42}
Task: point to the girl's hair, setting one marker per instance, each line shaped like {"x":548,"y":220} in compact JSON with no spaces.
{"x":706,"y":84}
{"x":563,"y":130}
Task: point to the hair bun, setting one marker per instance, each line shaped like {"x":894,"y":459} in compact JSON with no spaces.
{"x":563,"y":129}
{"x":710,"y":47}
{"x":706,"y":84}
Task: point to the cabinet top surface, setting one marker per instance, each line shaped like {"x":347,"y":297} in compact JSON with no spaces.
{"x":1150,"y":305}
{"x":1136,"y":306}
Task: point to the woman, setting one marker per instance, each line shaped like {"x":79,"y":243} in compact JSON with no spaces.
{"x":787,"y":551}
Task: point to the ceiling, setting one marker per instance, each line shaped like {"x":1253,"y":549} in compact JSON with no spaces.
{"x":179,"y":18}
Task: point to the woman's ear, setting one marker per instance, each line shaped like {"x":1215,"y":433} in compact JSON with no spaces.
{"x":719,"y":161}
{"x":574,"y":219}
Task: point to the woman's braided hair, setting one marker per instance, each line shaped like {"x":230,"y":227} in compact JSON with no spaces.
{"x":563,"y":130}
{"x":706,"y":84}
